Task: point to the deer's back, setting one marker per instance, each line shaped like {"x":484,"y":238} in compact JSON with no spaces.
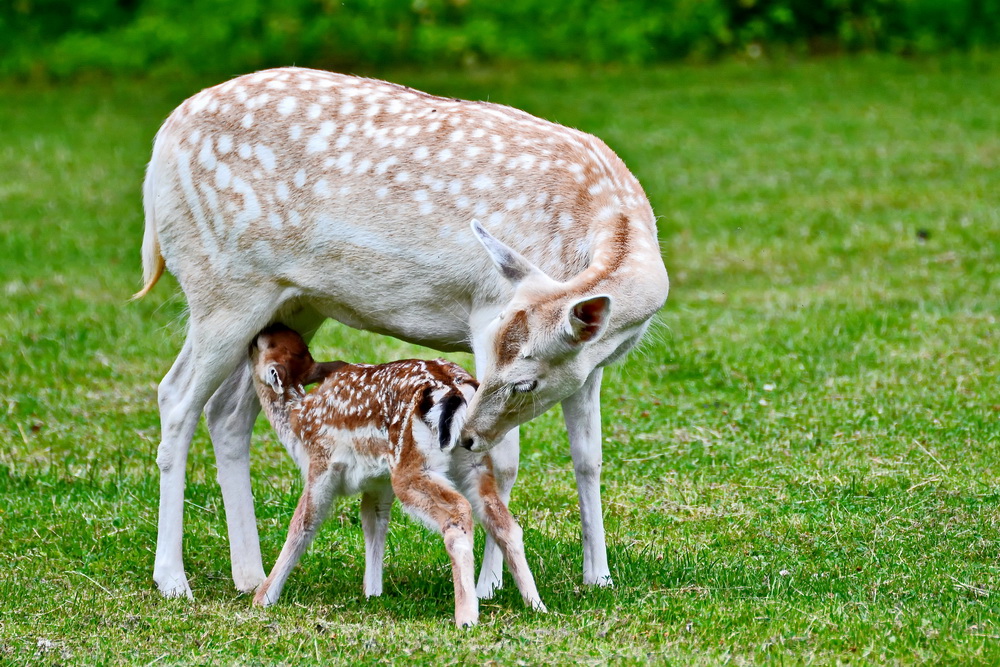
{"x":315,"y":178}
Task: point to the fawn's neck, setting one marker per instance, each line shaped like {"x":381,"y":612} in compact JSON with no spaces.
{"x":278,"y":410}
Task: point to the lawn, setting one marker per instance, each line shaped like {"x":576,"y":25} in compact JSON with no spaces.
{"x":800,"y":462}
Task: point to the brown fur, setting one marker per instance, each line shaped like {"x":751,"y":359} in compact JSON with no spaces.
{"x":374,"y":412}
{"x":513,"y":336}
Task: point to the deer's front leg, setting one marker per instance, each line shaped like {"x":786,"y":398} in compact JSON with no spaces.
{"x":582,"y":412}
{"x":504,"y":459}
{"x":376,"y":507}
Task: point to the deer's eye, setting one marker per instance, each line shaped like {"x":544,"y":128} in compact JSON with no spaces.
{"x":524,"y":387}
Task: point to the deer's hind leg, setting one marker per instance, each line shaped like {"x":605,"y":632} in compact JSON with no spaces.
{"x":216,"y":343}
{"x":230,"y":416}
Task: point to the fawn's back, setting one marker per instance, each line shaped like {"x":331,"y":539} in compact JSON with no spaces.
{"x":360,"y":421}
{"x":357,"y":418}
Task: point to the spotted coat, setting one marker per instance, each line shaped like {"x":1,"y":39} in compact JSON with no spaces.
{"x":381,"y":430}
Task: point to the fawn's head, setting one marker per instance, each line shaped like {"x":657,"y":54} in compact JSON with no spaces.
{"x":281,"y":360}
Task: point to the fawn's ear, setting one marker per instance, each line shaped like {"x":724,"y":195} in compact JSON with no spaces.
{"x":447,"y":431}
{"x":275,"y":375}
{"x":322,"y":371}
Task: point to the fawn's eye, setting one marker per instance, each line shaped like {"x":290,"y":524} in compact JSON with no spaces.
{"x":524,"y":387}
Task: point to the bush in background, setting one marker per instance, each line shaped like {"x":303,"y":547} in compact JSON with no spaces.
{"x":63,"y":38}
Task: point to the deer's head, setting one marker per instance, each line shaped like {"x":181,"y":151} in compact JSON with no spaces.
{"x":547,"y":340}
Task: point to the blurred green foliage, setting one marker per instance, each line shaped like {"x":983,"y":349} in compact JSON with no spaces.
{"x":62,"y":37}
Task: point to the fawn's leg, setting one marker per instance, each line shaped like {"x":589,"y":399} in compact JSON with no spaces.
{"x":309,"y":514}
{"x":376,"y":506}
{"x":431,"y":498}
{"x":230,"y":416}
{"x":481,"y":488}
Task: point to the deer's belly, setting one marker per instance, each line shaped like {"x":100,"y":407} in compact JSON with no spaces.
{"x":418,"y":285}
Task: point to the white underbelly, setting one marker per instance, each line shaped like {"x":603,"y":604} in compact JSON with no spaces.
{"x":349,"y":473}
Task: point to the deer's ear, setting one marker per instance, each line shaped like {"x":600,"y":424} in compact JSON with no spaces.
{"x":511,"y":264}
{"x":276,"y":375}
{"x":588,"y":318}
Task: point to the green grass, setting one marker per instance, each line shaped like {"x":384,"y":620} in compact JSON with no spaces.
{"x":801,"y":461}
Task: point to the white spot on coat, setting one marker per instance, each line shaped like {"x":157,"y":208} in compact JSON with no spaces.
{"x":344,"y":162}
{"x":482,"y":182}
{"x":223,"y":175}
{"x":384,"y":165}
{"x":266,"y":157}
{"x":316,"y":144}
{"x":205,"y":156}
{"x":322,"y":188}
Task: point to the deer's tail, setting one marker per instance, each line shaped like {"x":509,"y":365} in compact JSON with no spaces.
{"x":152,"y":259}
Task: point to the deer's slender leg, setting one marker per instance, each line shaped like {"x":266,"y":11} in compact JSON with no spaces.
{"x":504,"y":459}
{"x":435,"y":501}
{"x":582,"y":413}
{"x":215,"y":344}
{"x":230,"y":416}
{"x":309,"y":514}
{"x":480,"y":487}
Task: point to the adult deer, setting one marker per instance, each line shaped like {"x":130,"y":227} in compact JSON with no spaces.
{"x":295,"y":195}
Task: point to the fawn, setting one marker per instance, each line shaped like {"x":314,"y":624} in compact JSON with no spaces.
{"x":383,"y":430}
